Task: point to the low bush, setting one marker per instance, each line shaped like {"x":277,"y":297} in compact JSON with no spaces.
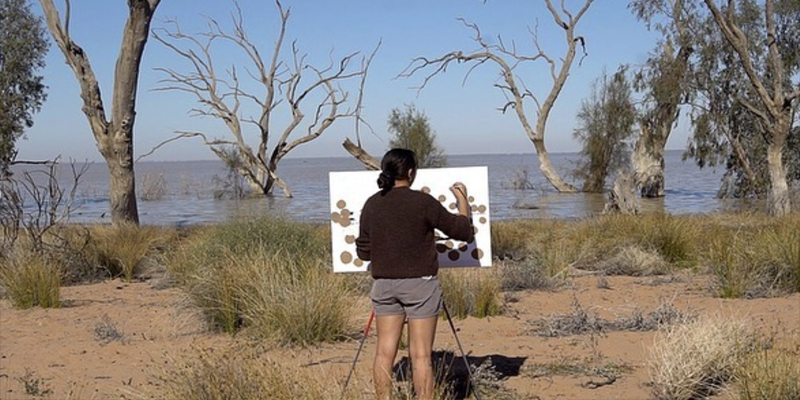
{"x":30,"y":280}
{"x":694,"y":360}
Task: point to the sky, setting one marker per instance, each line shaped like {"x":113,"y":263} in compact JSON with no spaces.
{"x":462,"y":109}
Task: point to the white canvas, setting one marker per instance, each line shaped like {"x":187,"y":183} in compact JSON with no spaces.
{"x":350,"y":190}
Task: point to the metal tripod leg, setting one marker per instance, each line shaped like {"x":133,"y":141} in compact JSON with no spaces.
{"x":463,"y":355}
{"x":360,"y":346}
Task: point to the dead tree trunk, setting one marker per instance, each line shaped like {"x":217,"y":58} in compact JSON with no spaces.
{"x":288,"y":83}
{"x":507,"y":59}
{"x":114,"y":137}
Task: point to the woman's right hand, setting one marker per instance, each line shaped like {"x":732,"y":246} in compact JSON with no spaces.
{"x":460,"y":191}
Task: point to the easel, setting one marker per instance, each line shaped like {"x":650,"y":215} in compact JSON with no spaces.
{"x":458,"y":342}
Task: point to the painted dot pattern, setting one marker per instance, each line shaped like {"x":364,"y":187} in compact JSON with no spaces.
{"x":343,"y":217}
{"x":454,"y":251}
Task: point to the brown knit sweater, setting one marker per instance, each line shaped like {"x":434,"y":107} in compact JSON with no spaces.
{"x":396,"y":233}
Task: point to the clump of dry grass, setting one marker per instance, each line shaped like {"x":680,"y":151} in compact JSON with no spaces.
{"x":693,"y":360}
{"x":270,"y":277}
{"x":528,"y":274}
{"x":770,"y":373}
{"x":243,"y":373}
{"x":123,"y":249}
{"x":751,"y":257}
{"x":29,"y":280}
{"x":633,"y":261}
{"x":473,"y":292}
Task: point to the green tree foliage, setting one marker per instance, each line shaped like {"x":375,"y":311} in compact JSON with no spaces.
{"x":606,"y":122}
{"x":725,"y":131}
{"x":410,"y":130}
{"x":22,"y":50}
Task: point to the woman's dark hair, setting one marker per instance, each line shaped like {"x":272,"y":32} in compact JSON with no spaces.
{"x":396,"y":163}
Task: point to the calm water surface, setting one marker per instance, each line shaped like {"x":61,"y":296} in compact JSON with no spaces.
{"x":191,"y":185}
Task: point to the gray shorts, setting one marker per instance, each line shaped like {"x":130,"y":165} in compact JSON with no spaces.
{"x":414,"y":297}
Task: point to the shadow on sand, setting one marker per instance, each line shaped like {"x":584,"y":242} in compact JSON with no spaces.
{"x":451,"y":371}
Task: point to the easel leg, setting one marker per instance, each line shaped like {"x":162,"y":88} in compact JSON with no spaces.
{"x":461,"y":349}
{"x":360,"y":346}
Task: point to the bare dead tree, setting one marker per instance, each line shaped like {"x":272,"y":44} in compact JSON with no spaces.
{"x":114,"y":136}
{"x":508,"y":59}
{"x":775,"y":106}
{"x":36,"y":202}
{"x":293,"y":85}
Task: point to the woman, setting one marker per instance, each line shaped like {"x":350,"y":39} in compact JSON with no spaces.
{"x":396,"y":234}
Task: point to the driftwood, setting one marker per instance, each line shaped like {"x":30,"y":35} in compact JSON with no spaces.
{"x":622,"y":197}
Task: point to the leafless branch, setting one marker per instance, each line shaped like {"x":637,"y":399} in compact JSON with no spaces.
{"x":289,"y":83}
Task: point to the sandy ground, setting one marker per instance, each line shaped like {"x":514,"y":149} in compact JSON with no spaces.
{"x":58,"y":352}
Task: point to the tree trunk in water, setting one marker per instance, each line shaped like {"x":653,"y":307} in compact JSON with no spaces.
{"x":622,"y":197}
{"x":648,"y":161}
{"x":778,"y":201}
{"x":546,"y":166}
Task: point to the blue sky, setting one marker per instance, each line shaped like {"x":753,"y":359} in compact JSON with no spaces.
{"x":463,"y":114}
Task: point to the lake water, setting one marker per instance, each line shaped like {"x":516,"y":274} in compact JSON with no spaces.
{"x":191,"y":185}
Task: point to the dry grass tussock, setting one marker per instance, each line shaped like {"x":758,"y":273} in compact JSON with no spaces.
{"x":268,"y":277}
{"x":242,"y":372}
{"x":30,"y":279}
{"x":126,"y":249}
{"x":473,"y":292}
{"x":770,"y":373}
{"x":694,"y":360}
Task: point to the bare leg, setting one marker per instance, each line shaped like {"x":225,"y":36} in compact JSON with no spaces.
{"x":389,"y":329}
{"x":421,"y":334}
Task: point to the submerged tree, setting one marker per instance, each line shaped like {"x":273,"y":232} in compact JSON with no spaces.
{"x":664,"y":82}
{"x":605,"y":123}
{"x":289,"y":83}
{"x":23,"y":46}
{"x":114,"y":136}
{"x":411,"y":130}
{"x":508,"y":59}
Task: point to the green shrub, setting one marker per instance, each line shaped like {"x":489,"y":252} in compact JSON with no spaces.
{"x":30,"y":280}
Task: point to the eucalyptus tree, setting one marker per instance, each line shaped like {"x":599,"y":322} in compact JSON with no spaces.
{"x":508,"y":59}
{"x":411,"y":130}
{"x":23,"y":46}
{"x":114,"y":135}
{"x":756,"y":67}
{"x":664,"y":83}
{"x":287,"y":83}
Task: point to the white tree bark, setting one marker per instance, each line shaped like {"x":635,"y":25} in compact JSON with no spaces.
{"x":507,"y":59}
{"x":290,"y":85}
